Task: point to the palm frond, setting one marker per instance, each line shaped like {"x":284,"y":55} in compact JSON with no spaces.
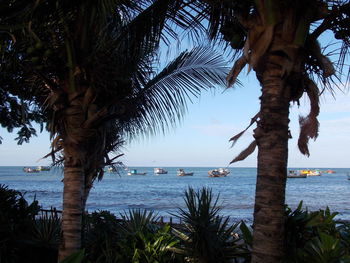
{"x":163,"y":99}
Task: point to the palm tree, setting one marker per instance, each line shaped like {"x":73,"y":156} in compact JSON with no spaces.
{"x":279,"y":41}
{"x":90,"y":66}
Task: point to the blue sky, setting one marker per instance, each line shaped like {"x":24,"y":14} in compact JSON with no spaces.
{"x":202,"y":138}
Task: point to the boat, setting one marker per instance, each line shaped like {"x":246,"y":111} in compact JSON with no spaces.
{"x":310,"y":172}
{"x":181,"y":172}
{"x":160,"y":171}
{"x":314,"y":173}
{"x":134,"y":172}
{"x":221,"y":172}
{"x":30,"y":170}
{"x":43,"y":168}
{"x":296,"y":174}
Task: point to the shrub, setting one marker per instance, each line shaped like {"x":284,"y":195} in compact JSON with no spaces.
{"x":16,"y":224}
{"x":315,"y":237}
{"x":205,"y":236}
{"x":144,"y":240}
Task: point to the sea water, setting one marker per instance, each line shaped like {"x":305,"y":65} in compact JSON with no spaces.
{"x":164,"y":193}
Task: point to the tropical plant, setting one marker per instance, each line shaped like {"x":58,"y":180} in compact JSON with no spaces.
{"x":16,"y":217}
{"x":76,"y":257}
{"x":279,"y":41}
{"x":143,"y":240}
{"x":344,"y":233}
{"x":43,"y":241}
{"x":246,"y":246}
{"x":90,"y":66}
{"x":315,"y":236}
{"x":324,"y":249}
{"x":101,"y":234}
{"x":17,"y":114}
{"x":204,"y":235}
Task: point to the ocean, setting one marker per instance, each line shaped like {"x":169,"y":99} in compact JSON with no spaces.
{"x":164,"y":193}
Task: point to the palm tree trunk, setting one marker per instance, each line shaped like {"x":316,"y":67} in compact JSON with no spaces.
{"x":272,"y":136}
{"x":72,"y":211}
{"x":75,"y":139}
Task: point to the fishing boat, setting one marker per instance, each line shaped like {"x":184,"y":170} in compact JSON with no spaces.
{"x":308,"y":172}
{"x":30,"y":170}
{"x":312,"y":173}
{"x":296,"y":174}
{"x":221,"y":172}
{"x":328,"y":171}
{"x":160,"y":171}
{"x":43,"y":168}
{"x":181,"y":172}
{"x":134,"y":172}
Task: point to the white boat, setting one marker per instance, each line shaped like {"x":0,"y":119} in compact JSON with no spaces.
{"x":30,"y":170}
{"x":160,"y":171}
{"x":134,"y":172}
{"x":221,"y":172}
{"x":295,"y":174}
{"x":309,"y":172}
{"x":181,"y":172}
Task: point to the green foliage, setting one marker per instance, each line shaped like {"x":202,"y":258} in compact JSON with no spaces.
{"x":100,"y":236}
{"x":136,"y":238}
{"x":315,"y":237}
{"x":77,"y":257}
{"x":44,"y":239}
{"x":46,"y":231}
{"x":344,"y":233}
{"x":324,"y":249}
{"x":25,"y":235}
{"x":205,"y":236}
{"x":16,"y":218}
{"x":150,"y":247}
{"x":143,"y":241}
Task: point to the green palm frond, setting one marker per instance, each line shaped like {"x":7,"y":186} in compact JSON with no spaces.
{"x":138,"y":220}
{"x":164,"y":97}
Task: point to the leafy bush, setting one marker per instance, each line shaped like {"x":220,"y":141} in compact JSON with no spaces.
{"x":16,"y":221}
{"x":315,"y":237}
{"x":45,"y":237}
{"x":144,"y":241}
{"x":205,"y":236}
{"x":135,"y":238}
{"x":100,"y":237}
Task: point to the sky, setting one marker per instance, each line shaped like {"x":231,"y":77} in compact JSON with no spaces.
{"x":202,"y":137}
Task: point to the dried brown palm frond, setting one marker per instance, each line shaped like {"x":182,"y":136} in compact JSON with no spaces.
{"x":245,"y":153}
{"x":236,"y":69}
{"x":309,"y":125}
{"x":235,"y":138}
